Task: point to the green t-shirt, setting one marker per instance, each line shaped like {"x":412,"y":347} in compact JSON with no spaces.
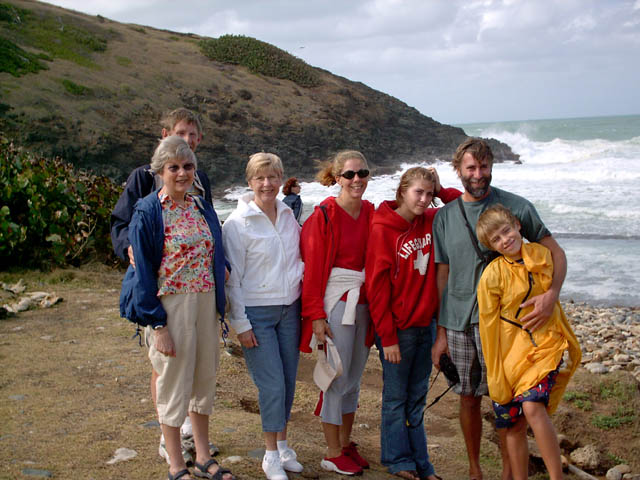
{"x":453,"y":246}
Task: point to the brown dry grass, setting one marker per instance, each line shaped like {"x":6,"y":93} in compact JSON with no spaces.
{"x":74,"y":387}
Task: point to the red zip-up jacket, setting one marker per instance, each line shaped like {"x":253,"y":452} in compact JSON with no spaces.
{"x":400,"y":270}
{"x":319,"y":241}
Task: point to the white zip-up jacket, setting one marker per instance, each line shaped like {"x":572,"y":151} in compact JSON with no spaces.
{"x":266,"y":267}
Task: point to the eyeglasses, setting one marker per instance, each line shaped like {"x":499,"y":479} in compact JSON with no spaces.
{"x":349,"y":174}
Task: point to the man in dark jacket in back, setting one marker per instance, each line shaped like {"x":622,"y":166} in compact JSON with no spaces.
{"x":142,"y":182}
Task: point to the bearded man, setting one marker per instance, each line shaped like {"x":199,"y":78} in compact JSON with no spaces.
{"x":460,"y":261}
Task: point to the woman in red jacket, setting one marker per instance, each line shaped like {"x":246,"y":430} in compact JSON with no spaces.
{"x":333,"y":243}
{"x":401,"y":284}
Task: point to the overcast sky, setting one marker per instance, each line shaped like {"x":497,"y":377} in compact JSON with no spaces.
{"x":457,"y":61}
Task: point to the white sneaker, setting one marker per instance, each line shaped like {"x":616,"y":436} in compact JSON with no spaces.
{"x":288,"y":461}
{"x":273,"y":468}
{"x":162,"y":451}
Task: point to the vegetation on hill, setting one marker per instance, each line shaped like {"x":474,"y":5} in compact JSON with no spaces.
{"x":50,"y":213}
{"x":48,"y":33}
{"x":260,"y":57}
{"x":16,"y":61}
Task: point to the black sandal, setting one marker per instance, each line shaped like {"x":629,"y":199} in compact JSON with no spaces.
{"x":179,"y":475}
{"x":202,"y":471}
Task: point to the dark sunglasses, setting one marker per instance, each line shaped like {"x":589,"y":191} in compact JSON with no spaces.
{"x":349,"y":174}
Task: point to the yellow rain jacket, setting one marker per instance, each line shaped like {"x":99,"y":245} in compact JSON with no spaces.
{"x":514,"y":363}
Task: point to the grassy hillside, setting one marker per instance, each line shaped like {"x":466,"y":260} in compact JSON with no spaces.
{"x":92,"y":91}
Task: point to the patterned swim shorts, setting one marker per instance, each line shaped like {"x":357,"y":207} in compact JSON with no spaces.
{"x":508,"y":414}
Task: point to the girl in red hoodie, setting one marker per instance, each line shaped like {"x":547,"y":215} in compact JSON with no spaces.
{"x":401,"y":287}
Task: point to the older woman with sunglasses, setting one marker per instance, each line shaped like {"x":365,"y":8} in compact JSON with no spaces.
{"x":177,"y":290}
{"x":334,"y":303}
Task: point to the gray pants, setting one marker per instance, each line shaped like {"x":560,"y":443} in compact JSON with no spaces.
{"x":342,"y":396}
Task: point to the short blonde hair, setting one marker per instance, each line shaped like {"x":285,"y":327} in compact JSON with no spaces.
{"x":492,"y":220}
{"x":415,"y":173}
{"x":262,"y":160}
{"x":172,"y":147}
{"x":333,"y":167}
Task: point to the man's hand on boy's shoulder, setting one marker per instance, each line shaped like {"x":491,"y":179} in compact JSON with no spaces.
{"x":544,"y":304}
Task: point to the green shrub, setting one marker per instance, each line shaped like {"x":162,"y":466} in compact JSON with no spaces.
{"x":11,"y":14}
{"x":260,"y":57}
{"x":580,"y":399}
{"x":53,"y":34}
{"x":73,"y":88}
{"x":622,"y":392}
{"x":619,"y":418}
{"x":50,"y":213}
{"x":124,"y":61}
{"x":16,"y":61}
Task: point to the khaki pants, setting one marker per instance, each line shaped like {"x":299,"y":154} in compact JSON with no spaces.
{"x":187,"y":382}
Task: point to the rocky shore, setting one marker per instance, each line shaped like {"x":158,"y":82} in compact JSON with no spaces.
{"x":609,"y":336}
{"x":610,"y":340}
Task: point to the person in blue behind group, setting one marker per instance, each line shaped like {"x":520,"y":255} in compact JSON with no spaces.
{"x":141,"y":182}
{"x":291,"y":192}
{"x":176,"y":289}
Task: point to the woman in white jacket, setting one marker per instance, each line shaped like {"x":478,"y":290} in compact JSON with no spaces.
{"x":261,"y":239}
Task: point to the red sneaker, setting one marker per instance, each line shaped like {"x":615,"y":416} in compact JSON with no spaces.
{"x":342,"y":464}
{"x":352,"y":452}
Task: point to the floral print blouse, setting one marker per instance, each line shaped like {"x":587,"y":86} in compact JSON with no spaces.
{"x":187,"y":256}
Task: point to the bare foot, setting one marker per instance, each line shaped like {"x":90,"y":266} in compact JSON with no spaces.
{"x":407,"y":474}
{"x":475,"y":475}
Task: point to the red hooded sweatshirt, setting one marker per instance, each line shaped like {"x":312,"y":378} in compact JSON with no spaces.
{"x":319,"y":241}
{"x":400,"y":270}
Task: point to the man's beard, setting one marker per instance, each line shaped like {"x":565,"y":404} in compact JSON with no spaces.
{"x":476,"y":192}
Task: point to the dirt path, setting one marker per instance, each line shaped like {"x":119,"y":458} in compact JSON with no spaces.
{"x":74,"y":387}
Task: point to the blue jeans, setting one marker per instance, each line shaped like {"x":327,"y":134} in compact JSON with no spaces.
{"x":273,"y":364}
{"x":403,"y":440}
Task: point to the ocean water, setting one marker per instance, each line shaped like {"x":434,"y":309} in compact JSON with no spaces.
{"x":583,"y":176}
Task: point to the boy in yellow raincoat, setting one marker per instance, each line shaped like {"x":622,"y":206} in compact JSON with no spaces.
{"x":525,"y":370}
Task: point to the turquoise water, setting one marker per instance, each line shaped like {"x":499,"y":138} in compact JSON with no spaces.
{"x":607,"y":128}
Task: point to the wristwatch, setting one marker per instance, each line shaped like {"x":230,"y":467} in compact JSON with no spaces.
{"x":158,"y":327}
